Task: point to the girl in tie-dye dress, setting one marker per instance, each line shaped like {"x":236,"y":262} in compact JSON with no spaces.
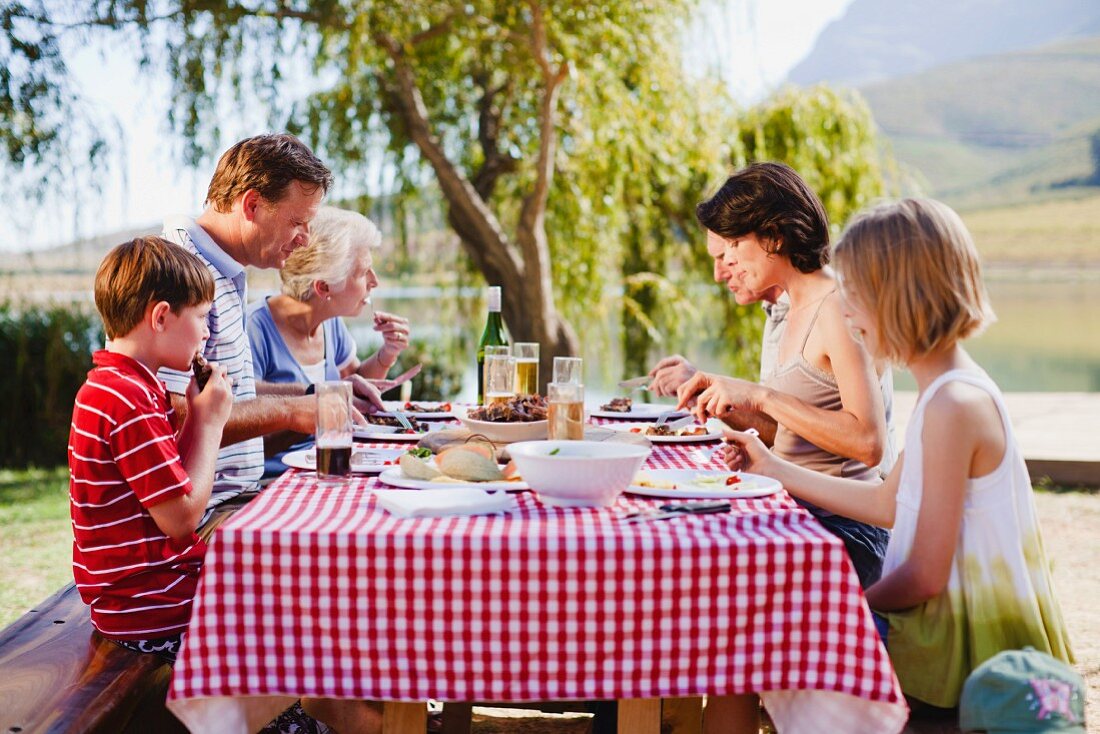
{"x":965,"y":574}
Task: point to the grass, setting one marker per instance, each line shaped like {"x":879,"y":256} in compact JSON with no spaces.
{"x":36,"y":540}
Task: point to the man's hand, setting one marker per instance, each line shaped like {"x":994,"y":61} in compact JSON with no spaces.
{"x":367,"y":397}
{"x":670,"y":374}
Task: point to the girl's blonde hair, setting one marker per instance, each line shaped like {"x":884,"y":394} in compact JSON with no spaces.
{"x":336,"y":238}
{"x":913,"y":265}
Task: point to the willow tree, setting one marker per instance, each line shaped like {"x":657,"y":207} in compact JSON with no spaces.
{"x":566,"y":142}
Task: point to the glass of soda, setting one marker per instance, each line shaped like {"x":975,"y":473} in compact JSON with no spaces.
{"x":334,"y":430}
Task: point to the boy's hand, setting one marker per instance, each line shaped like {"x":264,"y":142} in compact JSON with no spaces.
{"x":213,"y":403}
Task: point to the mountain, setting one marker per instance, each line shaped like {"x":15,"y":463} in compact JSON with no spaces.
{"x":998,"y":128}
{"x":881,"y":39}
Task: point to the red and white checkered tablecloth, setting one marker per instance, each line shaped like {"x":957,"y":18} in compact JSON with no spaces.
{"x":313,"y":590}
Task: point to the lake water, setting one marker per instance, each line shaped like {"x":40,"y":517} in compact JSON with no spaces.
{"x":1046,"y":337}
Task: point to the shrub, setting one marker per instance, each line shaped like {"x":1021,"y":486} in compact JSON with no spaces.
{"x":45,"y":354}
{"x":440,"y":378}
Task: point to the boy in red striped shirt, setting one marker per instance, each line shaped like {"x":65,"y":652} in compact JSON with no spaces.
{"x":138,"y":486}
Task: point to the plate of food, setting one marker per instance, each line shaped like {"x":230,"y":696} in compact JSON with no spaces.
{"x":425,"y":410}
{"x":387,"y":428}
{"x":664,"y":434}
{"x":627,"y":409}
{"x":523,"y":418}
{"x":363,"y":460}
{"x":701,"y":484}
{"x":461,"y":466}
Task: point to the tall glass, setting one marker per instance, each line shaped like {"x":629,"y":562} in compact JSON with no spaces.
{"x":527,"y":367}
{"x":566,"y":411}
{"x":492,"y":350}
{"x":569,"y":369}
{"x":500,"y":378}
{"x":334,"y":429}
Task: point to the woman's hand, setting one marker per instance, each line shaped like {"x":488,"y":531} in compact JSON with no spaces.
{"x":669,"y":374}
{"x":715,"y":395}
{"x":745,"y":451}
{"x":395,"y":333}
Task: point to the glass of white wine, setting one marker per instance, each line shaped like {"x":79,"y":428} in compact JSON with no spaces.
{"x":566,"y":411}
{"x":500,"y":378}
{"x":527,"y":367}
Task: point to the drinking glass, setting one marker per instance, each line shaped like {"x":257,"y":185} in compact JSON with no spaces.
{"x":569,"y":369}
{"x":527,"y":367}
{"x":566,"y":411}
{"x":500,"y":378}
{"x":490,"y":351}
{"x":334,"y":430}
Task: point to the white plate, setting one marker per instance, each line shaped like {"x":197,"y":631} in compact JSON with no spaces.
{"x":751,"y":485}
{"x":363,"y":460}
{"x":390,"y":433}
{"x":394,"y":477}
{"x":434,"y":412}
{"x":639,"y":412}
{"x":712,"y":434}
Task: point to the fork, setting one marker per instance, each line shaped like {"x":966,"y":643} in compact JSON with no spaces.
{"x":670,"y":511}
{"x":663,"y":417}
{"x":403,"y":420}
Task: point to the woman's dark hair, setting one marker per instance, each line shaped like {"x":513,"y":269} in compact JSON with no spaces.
{"x":771,"y":201}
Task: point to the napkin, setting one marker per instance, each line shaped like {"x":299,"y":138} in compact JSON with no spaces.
{"x":444,"y":502}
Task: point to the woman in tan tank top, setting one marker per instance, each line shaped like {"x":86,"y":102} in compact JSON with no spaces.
{"x":823,"y":394}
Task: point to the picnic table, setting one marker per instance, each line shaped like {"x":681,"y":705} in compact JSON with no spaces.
{"x":313,"y":590}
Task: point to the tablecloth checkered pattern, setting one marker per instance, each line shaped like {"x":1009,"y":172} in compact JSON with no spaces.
{"x":312,"y":590}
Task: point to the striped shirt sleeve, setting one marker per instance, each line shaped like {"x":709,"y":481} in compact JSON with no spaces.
{"x":144,"y":449}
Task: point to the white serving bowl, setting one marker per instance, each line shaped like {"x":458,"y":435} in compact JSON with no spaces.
{"x":578,"y":473}
{"x":505,"y":432}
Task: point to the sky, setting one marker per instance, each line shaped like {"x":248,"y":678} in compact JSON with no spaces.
{"x":752,"y":44}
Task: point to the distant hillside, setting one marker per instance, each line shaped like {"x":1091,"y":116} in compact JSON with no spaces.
{"x":881,"y":39}
{"x":997,"y":129}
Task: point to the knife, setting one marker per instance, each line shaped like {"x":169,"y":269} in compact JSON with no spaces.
{"x":637,"y":383}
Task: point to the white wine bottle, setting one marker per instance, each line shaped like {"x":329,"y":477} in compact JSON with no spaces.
{"x":493,"y":336}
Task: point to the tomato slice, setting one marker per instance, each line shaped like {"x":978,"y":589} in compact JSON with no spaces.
{"x":732,"y":479}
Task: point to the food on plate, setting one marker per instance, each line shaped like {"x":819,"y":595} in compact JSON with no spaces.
{"x":415,"y":467}
{"x":699,"y":481}
{"x":202,"y":370}
{"x":418,"y":408}
{"x":666,"y":431}
{"x":389,"y":420}
{"x":618,"y":405}
{"x":525,"y":409}
{"x":643,"y":479}
{"x":470,"y":463}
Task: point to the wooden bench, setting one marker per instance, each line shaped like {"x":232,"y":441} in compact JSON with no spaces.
{"x":57,"y":674}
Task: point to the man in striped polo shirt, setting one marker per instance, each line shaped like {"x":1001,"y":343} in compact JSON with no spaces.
{"x":262,"y":197}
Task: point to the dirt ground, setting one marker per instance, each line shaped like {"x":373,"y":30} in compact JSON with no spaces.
{"x":1071,"y":531}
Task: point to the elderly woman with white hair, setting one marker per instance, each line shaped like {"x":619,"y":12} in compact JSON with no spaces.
{"x":298,"y":336}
